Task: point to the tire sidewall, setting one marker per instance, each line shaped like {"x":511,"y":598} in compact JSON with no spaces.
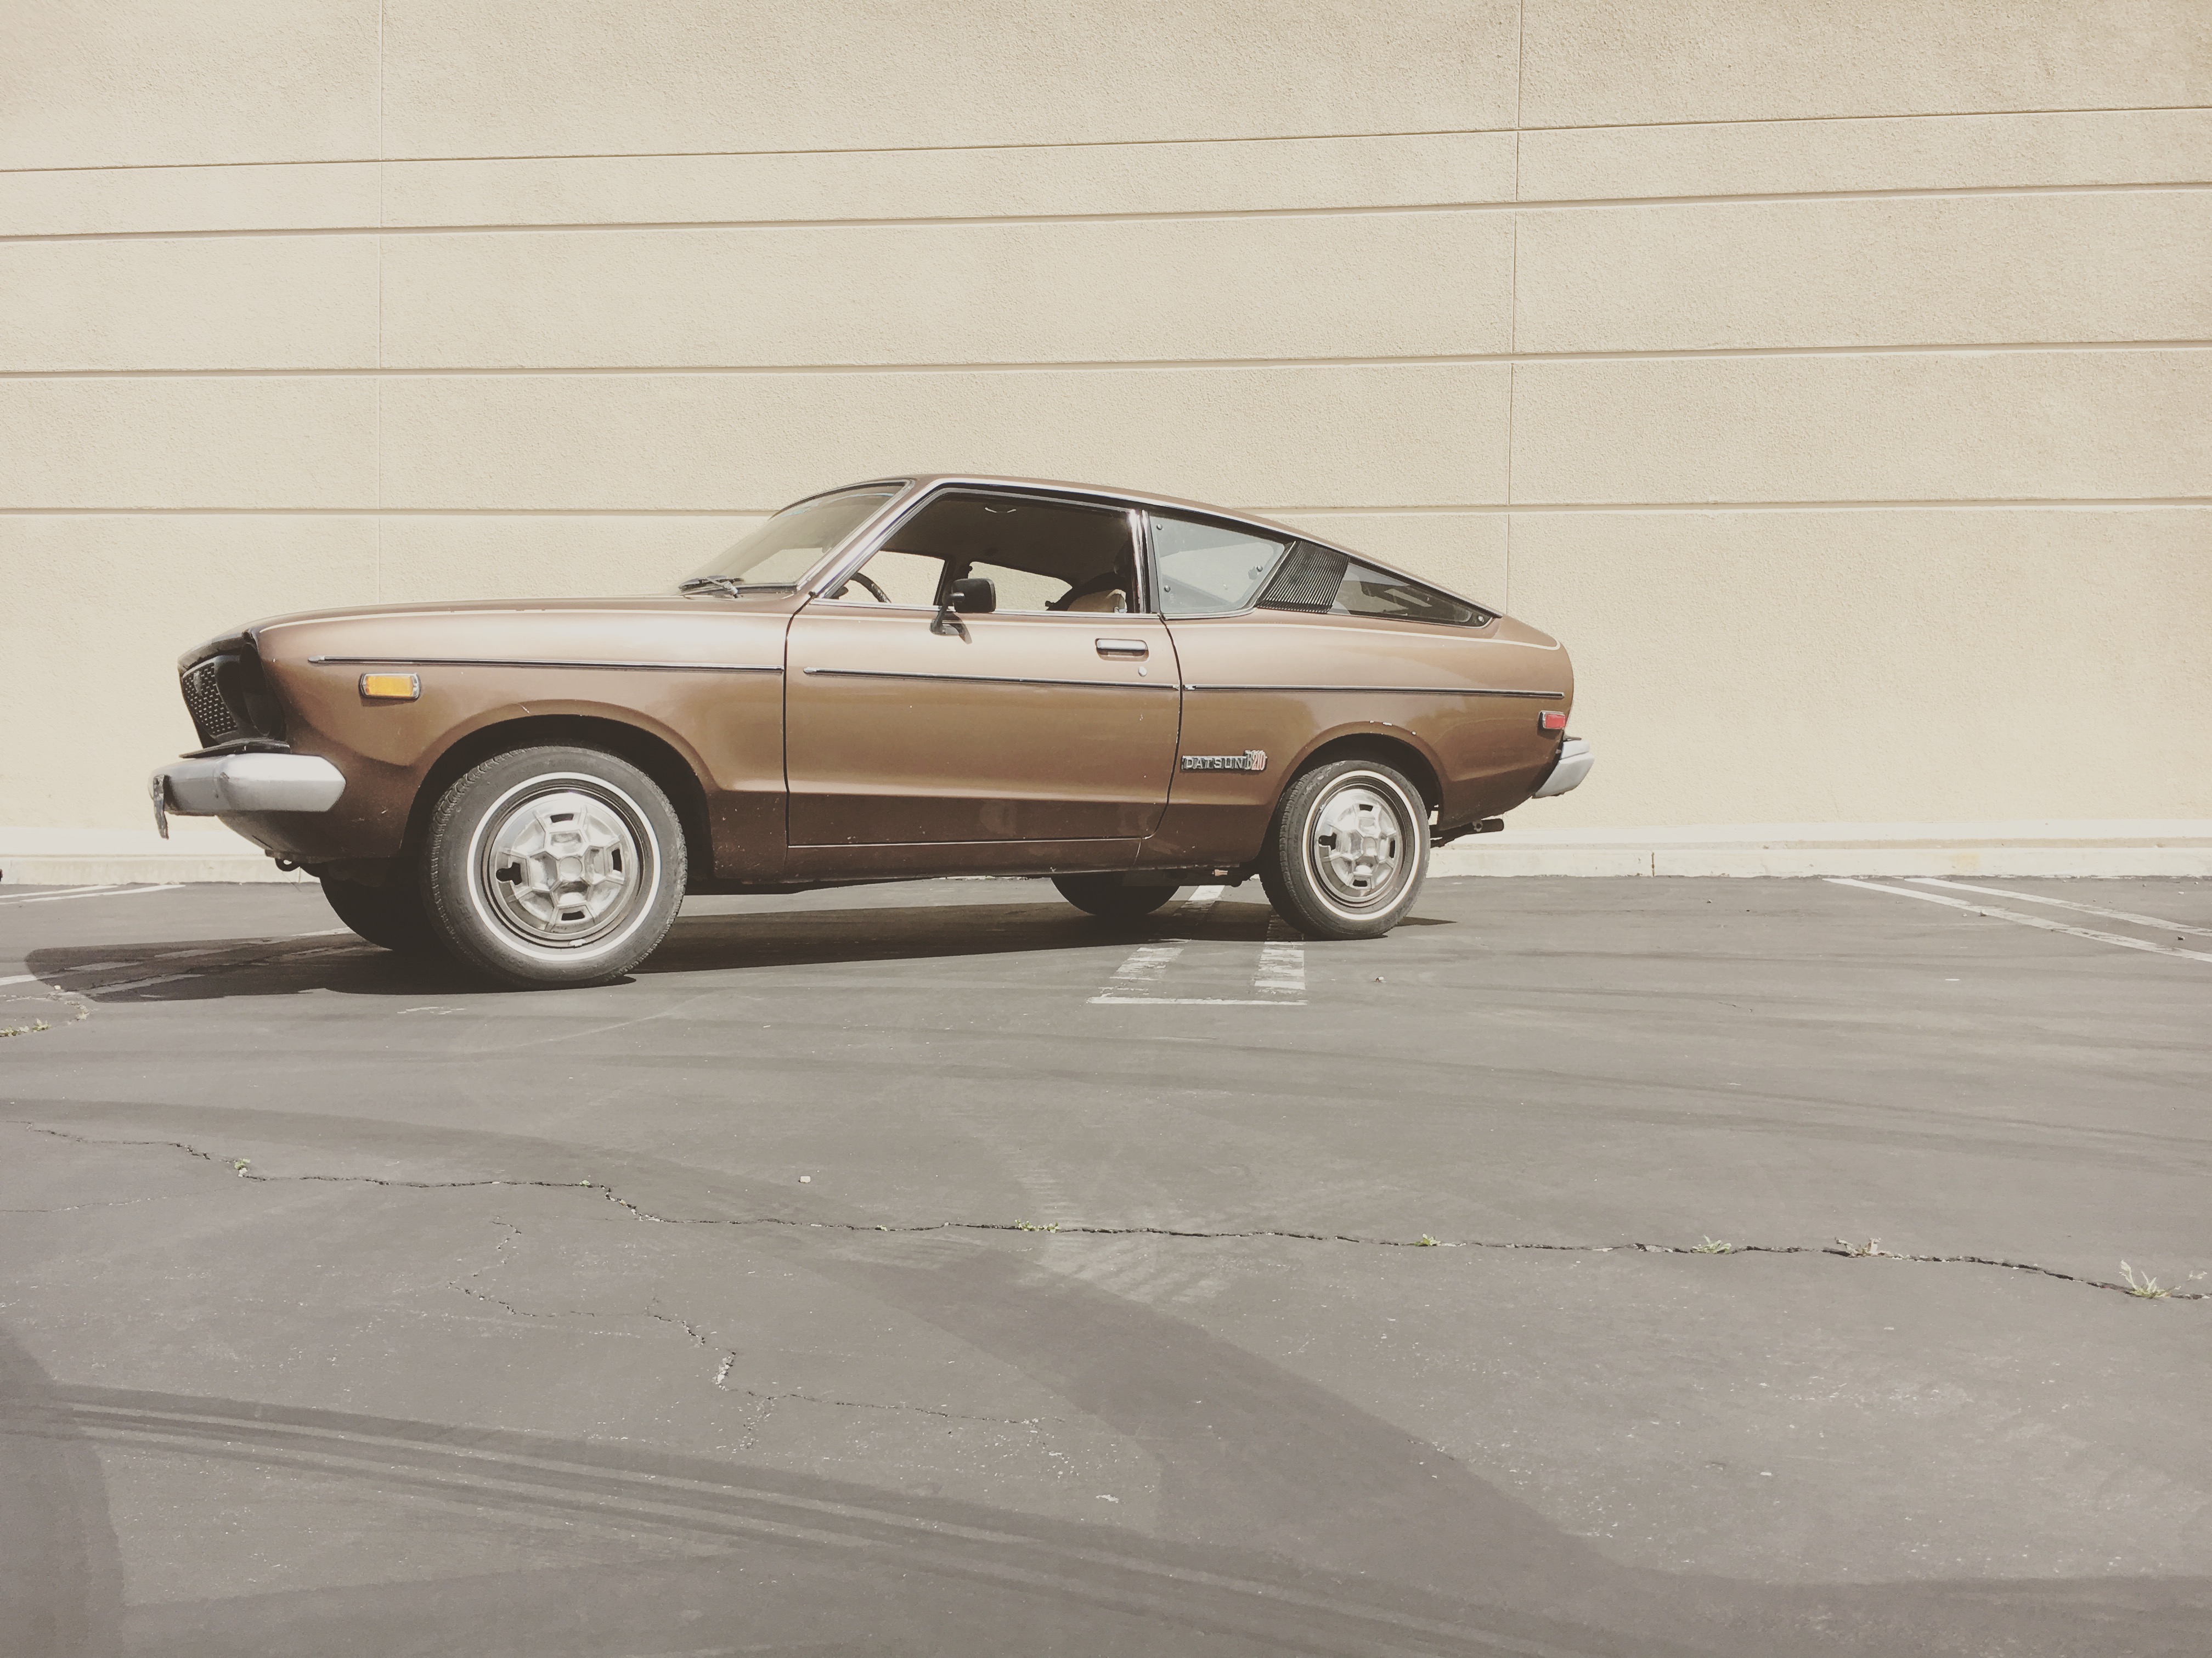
{"x":462,"y":912}
{"x":1291,"y":882}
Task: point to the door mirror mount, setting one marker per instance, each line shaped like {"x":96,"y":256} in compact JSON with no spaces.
{"x":972,"y":596}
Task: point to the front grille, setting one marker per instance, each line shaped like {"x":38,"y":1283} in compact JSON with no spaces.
{"x":213,"y":717}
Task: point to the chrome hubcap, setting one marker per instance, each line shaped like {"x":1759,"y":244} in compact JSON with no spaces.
{"x":1357,"y":845}
{"x":563,"y":867}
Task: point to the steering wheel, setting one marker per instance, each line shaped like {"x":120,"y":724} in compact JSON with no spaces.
{"x":882,"y":598}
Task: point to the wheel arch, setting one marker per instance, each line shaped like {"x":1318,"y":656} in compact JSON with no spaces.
{"x":1393,"y":746}
{"x":651,"y":752}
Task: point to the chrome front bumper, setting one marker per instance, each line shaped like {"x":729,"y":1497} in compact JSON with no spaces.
{"x":1574,"y":764}
{"x":220,"y":785}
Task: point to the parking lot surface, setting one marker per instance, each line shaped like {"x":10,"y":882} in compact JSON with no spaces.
{"x":1591,"y":1267}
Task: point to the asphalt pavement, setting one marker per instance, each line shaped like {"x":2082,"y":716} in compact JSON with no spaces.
{"x":1591,"y":1268}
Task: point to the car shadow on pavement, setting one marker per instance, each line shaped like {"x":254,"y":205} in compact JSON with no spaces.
{"x":185,"y":970}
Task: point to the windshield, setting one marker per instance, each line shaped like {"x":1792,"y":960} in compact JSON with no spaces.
{"x":777,"y":553}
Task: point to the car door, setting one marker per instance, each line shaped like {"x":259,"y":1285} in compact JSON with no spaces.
{"x":1050,"y":731}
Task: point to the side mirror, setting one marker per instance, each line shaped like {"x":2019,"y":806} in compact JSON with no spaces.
{"x":974,"y":596}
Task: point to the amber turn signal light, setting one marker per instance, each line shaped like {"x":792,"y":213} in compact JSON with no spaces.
{"x":1552,"y":719}
{"x":391,"y":687}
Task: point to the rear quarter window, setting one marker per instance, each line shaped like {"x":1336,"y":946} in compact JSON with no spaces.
{"x":1324,"y":582}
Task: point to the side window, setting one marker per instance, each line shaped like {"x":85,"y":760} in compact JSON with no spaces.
{"x":905,"y":578}
{"x":1210,"y":569}
{"x":1038,"y":555}
{"x":1327,"y":583}
{"x":1020,"y":590}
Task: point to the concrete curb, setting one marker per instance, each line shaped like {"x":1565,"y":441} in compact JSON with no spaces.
{"x":1743,"y":861}
{"x":99,"y":857}
{"x":2091,"y":849}
{"x":101,"y":871}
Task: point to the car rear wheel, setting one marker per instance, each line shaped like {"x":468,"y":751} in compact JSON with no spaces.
{"x":389,"y":915}
{"x":553,"y":866}
{"x":1348,"y":850}
{"x":1104,"y":897}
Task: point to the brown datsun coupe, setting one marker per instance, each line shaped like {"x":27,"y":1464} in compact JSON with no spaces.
{"x":917,"y":676}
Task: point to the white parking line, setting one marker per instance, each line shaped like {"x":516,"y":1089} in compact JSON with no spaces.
{"x":2025,"y":920}
{"x":98,"y":892}
{"x":66,"y":892}
{"x":1282,"y":962}
{"x":2063,"y":903}
{"x":1200,"y":901}
{"x":1147,"y":963}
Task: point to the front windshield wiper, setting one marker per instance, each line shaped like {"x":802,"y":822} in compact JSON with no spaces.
{"x":720,"y":582}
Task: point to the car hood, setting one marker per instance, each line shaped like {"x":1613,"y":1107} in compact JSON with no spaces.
{"x":500,"y":626}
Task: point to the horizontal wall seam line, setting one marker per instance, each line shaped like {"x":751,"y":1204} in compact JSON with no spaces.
{"x":718,"y":155}
{"x":1992,"y":348}
{"x":1103,"y":143}
{"x":1994,"y":503}
{"x":1563,"y":204}
{"x":1894,"y":115}
{"x":1991,"y":503}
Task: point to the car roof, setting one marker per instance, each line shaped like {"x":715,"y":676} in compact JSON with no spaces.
{"x":921,"y":482}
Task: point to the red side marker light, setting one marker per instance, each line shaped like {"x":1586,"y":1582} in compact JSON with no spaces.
{"x":1552,"y":719}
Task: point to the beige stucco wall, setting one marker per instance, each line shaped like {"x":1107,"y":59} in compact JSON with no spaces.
{"x":1832,"y":376}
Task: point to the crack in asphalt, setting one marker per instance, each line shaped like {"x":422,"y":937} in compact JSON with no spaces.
{"x":509,"y":1306}
{"x":1839,"y":1250}
{"x":689,"y":1329}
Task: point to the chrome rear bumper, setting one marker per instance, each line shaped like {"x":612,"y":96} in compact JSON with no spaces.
{"x":1573,"y":765}
{"x":218,"y":785}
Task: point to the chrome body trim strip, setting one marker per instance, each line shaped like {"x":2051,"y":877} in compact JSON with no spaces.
{"x":1393,"y":690}
{"x":990,"y":679}
{"x":532,"y":662}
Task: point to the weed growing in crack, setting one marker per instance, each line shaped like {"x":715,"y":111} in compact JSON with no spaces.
{"x":2148,"y":1288}
{"x":1859,"y":1251}
{"x":239,"y":1165}
{"x":1424,"y":1242}
{"x":1713,"y":1246}
{"x":1025,"y":1226}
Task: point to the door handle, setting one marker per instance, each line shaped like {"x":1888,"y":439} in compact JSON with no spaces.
{"x":1128,"y":647}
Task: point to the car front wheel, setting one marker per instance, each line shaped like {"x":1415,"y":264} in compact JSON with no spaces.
{"x":553,"y":866}
{"x":1348,"y":850}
